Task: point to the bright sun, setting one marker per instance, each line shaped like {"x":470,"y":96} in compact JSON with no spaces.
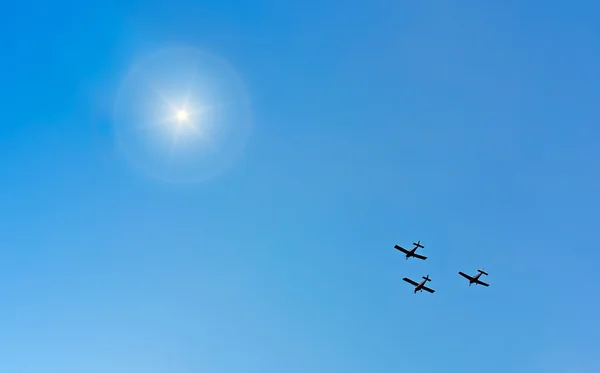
{"x":182,"y":115}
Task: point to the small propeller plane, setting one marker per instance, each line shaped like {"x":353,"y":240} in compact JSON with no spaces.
{"x":421,"y":286}
{"x":475,"y":280}
{"x":411,"y":252}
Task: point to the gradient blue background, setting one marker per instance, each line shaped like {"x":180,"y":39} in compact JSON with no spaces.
{"x":472,"y":127}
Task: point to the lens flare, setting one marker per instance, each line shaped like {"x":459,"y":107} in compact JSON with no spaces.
{"x":182,"y":115}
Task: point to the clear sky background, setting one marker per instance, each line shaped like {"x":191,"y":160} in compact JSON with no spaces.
{"x":468,"y":125}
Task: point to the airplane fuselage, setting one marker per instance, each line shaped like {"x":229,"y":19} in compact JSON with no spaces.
{"x":475,"y":279}
{"x":420,"y":286}
{"x":411,"y":253}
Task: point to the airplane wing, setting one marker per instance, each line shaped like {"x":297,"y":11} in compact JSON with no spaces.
{"x":428,"y":289}
{"x":401,"y":249}
{"x":419,"y":256}
{"x":466,"y":276}
{"x":482,"y":283}
{"x":410,"y":281}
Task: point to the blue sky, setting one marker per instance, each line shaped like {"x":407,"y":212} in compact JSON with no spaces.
{"x":469,"y":126}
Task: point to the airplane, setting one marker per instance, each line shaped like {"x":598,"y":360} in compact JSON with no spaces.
{"x":475,"y":280}
{"x":421,"y":286}
{"x":411,"y":252}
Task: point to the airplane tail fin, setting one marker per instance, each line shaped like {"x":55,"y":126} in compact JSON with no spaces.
{"x":482,"y":271}
{"x":426,"y":278}
{"x":418,"y":244}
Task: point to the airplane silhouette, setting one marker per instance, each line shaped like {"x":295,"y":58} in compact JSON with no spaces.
{"x":420,"y":286}
{"x":475,"y":280}
{"x":411,"y":252}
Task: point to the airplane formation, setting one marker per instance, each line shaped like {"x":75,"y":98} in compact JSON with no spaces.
{"x":420,"y":286}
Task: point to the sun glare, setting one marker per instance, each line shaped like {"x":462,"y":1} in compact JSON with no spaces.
{"x":182,"y":115}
